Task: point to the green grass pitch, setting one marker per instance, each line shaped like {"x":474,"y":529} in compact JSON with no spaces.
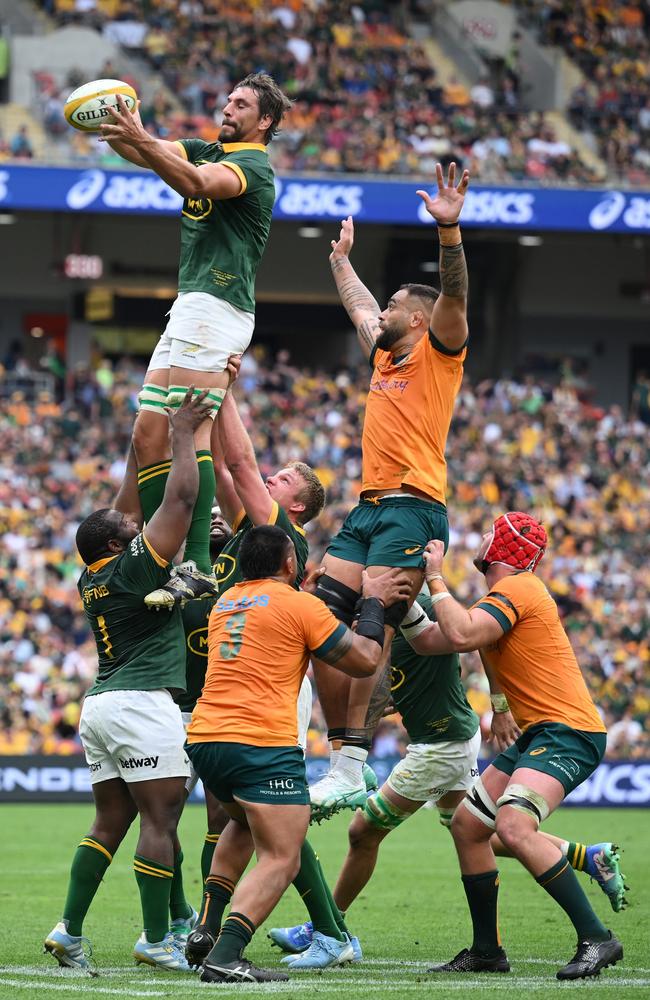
{"x":412,"y":913}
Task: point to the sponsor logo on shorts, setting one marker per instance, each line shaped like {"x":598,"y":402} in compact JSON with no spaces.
{"x":139,"y":762}
{"x":94,"y":767}
{"x":473,"y":772}
{"x":412,"y":551}
{"x":536,"y":753}
{"x":277,"y":787}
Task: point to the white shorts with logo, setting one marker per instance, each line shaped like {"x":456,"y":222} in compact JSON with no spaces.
{"x":201,"y":333}
{"x":430,"y":770}
{"x":304,"y":708}
{"x":133,"y":735}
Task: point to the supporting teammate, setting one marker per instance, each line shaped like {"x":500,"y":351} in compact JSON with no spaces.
{"x":243,"y":736}
{"x":229,"y":191}
{"x":517,"y":627}
{"x":416,"y":348}
{"x":130,"y":728}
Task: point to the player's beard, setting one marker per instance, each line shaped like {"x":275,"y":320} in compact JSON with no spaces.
{"x":232,"y":133}
{"x":388,"y":337}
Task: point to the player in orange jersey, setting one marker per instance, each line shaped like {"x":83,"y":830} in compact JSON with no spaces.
{"x":243,"y":735}
{"x":524,"y":647}
{"x":416,"y":347}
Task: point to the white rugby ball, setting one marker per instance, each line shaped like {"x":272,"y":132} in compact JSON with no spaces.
{"x":89,"y":106}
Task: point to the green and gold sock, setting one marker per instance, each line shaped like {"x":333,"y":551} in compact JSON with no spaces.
{"x":217,"y":894}
{"x":577,"y":855}
{"x":236,"y":933}
{"x":197,"y":546}
{"x":154,"y":882}
{"x":209,"y":844}
{"x":152,"y":480}
{"x":89,"y":865}
{"x":179,"y":908}
{"x":311,"y":884}
{"x":561,"y":883}
{"x":482,"y":892}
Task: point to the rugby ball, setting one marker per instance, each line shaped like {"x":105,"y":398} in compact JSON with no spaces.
{"x":89,"y":106}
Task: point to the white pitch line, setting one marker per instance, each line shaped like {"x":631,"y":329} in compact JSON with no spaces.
{"x":76,"y":987}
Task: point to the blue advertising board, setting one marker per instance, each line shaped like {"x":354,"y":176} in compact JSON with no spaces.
{"x":309,"y":199}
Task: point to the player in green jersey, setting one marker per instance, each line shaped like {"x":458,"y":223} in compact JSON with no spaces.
{"x":130,"y":728}
{"x":229,"y":190}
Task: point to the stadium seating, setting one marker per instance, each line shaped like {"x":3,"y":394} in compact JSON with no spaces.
{"x":582,"y":469}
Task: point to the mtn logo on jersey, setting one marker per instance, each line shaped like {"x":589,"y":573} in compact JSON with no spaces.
{"x":197,"y":208}
{"x":224,"y":567}
{"x":139,"y":762}
{"x":197,"y":641}
{"x":412,"y":551}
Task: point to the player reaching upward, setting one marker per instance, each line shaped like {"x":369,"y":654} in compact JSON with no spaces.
{"x":229,"y":191}
{"x":130,"y":728}
{"x":416,"y":348}
{"x":517,"y":627}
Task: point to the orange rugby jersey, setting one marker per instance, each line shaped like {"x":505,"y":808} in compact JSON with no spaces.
{"x":260,"y":634}
{"x":533,"y":660}
{"x":408,"y":413}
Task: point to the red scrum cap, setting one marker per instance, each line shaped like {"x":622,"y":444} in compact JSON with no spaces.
{"x":518,"y":541}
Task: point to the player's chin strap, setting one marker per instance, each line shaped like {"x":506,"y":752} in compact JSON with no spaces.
{"x":176,"y":394}
{"x":525,"y":800}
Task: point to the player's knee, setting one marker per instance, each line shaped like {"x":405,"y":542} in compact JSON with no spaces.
{"x":341,"y":600}
{"x":359,"y":831}
{"x":382,"y":815}
{"x":527,"y":810}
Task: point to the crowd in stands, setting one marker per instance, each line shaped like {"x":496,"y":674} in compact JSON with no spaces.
{"x":367,"y":97}
{"x":610,"y":42}
{"x":545,"y":448}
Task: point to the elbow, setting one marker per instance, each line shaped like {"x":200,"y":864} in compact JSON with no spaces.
{"x":459,"y":642}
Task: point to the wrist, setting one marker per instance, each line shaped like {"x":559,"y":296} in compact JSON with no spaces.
{"x":499,"y":703}
{"x":449,"y":234}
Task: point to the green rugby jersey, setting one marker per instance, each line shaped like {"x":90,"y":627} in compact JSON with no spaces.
{"x":222,"y":242}
{"x":226,"y":567}
{"x":428,"y":692}
{"x":138,"y":649}
{"x":195,"y":616}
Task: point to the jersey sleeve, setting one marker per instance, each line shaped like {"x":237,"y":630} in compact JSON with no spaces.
{"x":322,"y":630}
{"x":437,"y":352}
{"x":194,"y":148}
{"x":508,"y":602}
{"x":246,"y":164}
{"x":141,"y":566}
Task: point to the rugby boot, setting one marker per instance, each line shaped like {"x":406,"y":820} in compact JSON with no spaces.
{"x":186,"y":583}
{"x":591,"y":957}
{"x":469,"y":961}
{"x":602,"y":864}
{"x":240,"y":971}
{"x":164,"y":954}
{"x":334,"y":792}
{"x":370,"y":778}
{"x":182,"y":926}
{"x":199,"y":944}
{"x":70,"y":951}
{"x":323,"y":952}
{"x":292,"y":939}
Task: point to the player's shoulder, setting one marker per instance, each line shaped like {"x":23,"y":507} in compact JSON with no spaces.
{"x":438,"y":353}
{"x":524,"y":589}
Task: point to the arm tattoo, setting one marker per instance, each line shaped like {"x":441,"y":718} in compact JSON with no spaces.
{"x":453,"y":272}
{"x":353,"y":293}
{"x":340,"y":649}
{"x":367,"y":332}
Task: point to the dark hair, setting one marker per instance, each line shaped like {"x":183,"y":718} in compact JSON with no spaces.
{"x":272,"y":101}
{"x":312,"y":494}
{"x":94,"y":534}
{"x":263,"y":551}
{"x":426,"y":292}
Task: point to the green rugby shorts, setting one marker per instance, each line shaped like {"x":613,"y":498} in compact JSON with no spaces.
{"x":390,"y":531}
{"x":272,"y":775}
{"x":569,"y":755}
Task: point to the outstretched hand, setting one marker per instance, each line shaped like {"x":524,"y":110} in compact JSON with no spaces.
{"x":343,"y":246}
{"x":192,"y":411}
{"x":127,"y":126}
{"x":447,"y":205}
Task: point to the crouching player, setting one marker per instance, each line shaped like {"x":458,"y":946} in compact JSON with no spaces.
{"x":517,"y":628}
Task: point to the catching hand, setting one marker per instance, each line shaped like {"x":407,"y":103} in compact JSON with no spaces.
{"x":192,"y":411}
{"x":343,"y":247}
{"x":448,"y":203}
{"x":127,"y":126}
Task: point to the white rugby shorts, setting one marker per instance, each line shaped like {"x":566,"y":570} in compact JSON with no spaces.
{"x":133,"y":735}
{"x":430,"y":770}
{"x":201,"y":333}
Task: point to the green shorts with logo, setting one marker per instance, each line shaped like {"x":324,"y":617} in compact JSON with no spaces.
{"x":569,"y":755}
{"x":274,"y":775}
{"x":390,"y":531}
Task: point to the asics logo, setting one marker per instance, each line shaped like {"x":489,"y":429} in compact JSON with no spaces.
{"x":411,"y":552}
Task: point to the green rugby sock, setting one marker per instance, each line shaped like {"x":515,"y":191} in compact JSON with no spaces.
{"x":154,"y":882}
{"x":482,"y":892}
{"x":312,"y":886}
{"x":561,"y":883}
{"x":209,"y":844}
{"x":217,"y":894}
{"x":152,"y":480}
{"x":179,"y":908}
{"x":197,"y":546}
{"x":576,"y":855}
{"x":89,"y":864}
{"x":236,"y":933}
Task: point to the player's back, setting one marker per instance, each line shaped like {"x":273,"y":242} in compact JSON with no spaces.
{"x":533,"y":660}
{"x":259,"y":637}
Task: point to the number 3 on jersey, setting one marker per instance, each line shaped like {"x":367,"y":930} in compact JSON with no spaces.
{"x":235,"y":630}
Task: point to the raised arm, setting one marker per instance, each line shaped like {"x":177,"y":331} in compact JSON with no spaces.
{"x":360,"y":305}
{"x":227,"y":496}
{"x":449,"y":316}
{"x":167,"y":529}
{"x":127,"y":500}
{"x":239,"y":456}
{"x":168,"y":159}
